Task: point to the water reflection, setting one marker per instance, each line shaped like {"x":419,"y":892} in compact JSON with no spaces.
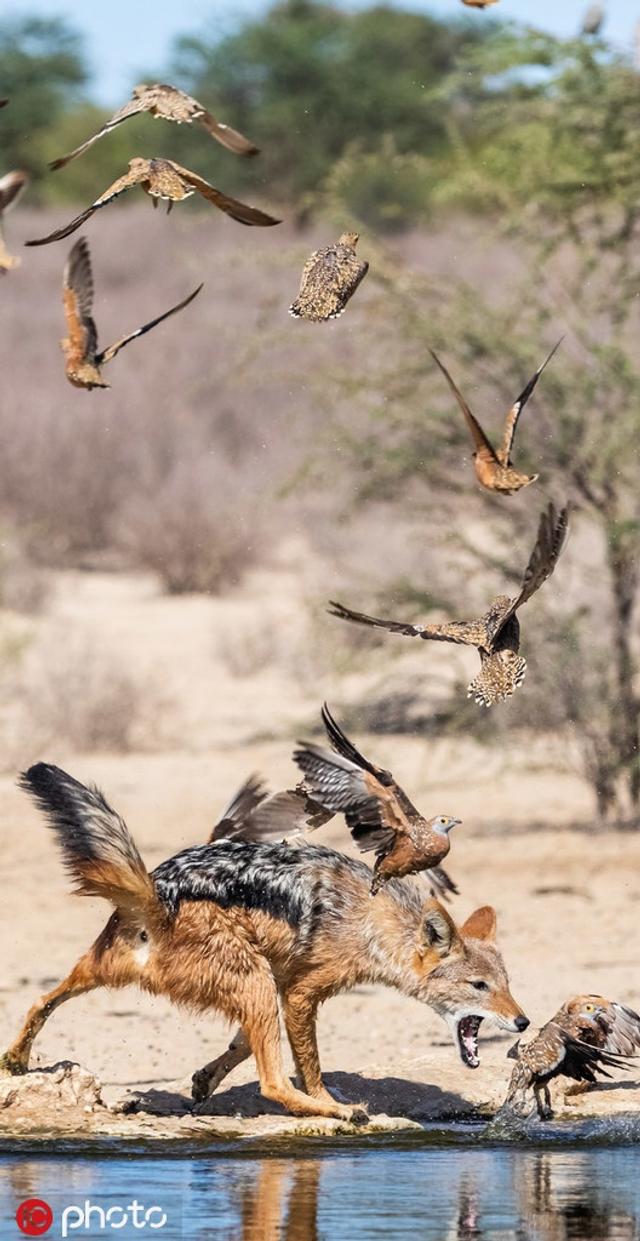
{"x":454,"y":1194}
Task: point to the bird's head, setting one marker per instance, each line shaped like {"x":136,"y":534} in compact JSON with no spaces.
{"x":349,"y":239}
{"x":443,"y":823}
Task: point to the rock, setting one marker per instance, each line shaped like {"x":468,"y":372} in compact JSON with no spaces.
{"x":64,"y":1087}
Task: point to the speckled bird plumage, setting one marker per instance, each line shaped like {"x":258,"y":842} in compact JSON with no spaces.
{"x":329,"y":278}
{"x":578,"y":1042}
{"x":493,"y":467}
{"x":83,"y":359}
{"x":379,"y":815}
{"x":166,"y":103}
{"x":496,"y":634}
{"x":12,"y":185}
{"x":163,"y":179}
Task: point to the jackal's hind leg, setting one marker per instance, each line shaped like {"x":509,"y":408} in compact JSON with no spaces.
{"x":81,"y":979}
{"x":207,"y":1079}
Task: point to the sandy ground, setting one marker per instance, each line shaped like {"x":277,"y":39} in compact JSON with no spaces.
{"x":568,"y":900}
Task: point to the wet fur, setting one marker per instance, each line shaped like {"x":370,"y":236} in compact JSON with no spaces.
{"x":237,"y":927}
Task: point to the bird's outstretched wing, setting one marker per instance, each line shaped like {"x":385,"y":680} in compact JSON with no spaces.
{"x":342,"y":745}
{"x":231,"y":822}
{"x":77,"y":292}
{"x":230,"y":138}
{"x":241,"y":212}
{"x":134,"y":176}
{"x":481,"y":444}
{"x":442,"y":884}
{"x":11,"y":187}
{"x":330,"y":277}
{"x":133,"y":107}
{"x":583,"y":1062}
{"x":112,"y":350}
{"x":511,"y":422}
{"x":463,"y":632}
{"x":552,"y":533}
{"x":623,"y":1029}
{"x":371,"y":810}
{"x":288,"y":813}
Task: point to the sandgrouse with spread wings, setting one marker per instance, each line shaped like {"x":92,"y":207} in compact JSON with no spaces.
{"x":162,"y":179}
{"x":166,"y":103}
{"x":496,"y":634}
{"x":83,"y":359}
{"x":256,"y":814}
{"x":378,"y":812}
{"x":12,"y":186}
{"x":493,"y":467}
{"x":584,"y":1039}
{"x":329,"y":278}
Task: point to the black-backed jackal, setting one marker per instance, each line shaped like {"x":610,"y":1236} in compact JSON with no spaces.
{"x":238,"y":927}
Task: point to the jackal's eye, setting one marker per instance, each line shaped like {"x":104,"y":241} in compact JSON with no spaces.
{"x":479,"y":984}
{"x":143,"y":937}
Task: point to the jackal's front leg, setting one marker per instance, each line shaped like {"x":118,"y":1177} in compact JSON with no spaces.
{"x":300,"y":1013}
{"x":207,"y":1079}
{"x":81,"y":979}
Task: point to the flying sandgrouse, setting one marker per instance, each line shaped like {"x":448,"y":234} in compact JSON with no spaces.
{"x":83,"y":359}
{"x":494,"y":470}
{"x":11,"y":187}
{"x":496,"y":634}
{"x":329,"y":278}
{"x":162,"y":179}
{"x":378,"y":812}
{"x":165,"y":103}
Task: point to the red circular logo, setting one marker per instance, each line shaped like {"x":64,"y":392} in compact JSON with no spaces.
{"x":34,"y":1217}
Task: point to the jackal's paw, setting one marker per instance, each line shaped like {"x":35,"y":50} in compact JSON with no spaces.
{"x":12,"y":1066}
{"x":201,"y":1086}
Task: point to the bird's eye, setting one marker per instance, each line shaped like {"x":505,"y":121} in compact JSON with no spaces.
{"x":144,"y":937}
{"x":480,"y":985}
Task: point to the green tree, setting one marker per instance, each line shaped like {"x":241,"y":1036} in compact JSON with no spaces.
{"x":309,"y":80}
{"x":41,"y":71}
{"x":559,"y":176}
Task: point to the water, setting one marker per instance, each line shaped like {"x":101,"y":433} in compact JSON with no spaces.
{"x":448,"y":1194}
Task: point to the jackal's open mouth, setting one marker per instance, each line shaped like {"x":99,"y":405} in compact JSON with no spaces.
{"x":467,"y":1035}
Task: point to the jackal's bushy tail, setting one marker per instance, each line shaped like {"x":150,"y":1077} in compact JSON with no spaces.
{"x":98,"y":850}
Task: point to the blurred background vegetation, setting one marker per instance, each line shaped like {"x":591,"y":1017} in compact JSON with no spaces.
{"x":495,"y":173}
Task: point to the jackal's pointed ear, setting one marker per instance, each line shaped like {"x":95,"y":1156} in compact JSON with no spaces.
{"x":438,"y":931}
{"x":481,"y":924}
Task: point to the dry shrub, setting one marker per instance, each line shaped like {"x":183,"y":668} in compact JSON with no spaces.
{"x":196,"y":531}
{"x":77,"y":696}
{"x":24,"y":587}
